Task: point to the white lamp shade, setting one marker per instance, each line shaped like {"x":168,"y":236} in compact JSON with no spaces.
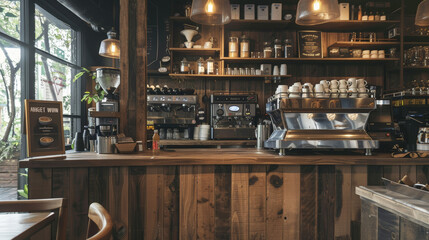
{"x":313,"y":12}
{"x":422,"y":15}
{"x":211,"y":12}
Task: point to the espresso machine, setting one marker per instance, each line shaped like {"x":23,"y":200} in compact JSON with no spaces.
{"x":381,"y":126}
{"x":172,"y":113}
{"x":107,"y":127}
{"x":326,"y":122}
{"x":233,"y":116}
{"x":411,"y":111}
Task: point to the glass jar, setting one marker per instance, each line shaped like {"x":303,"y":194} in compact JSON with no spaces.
{"x":210,"y":65}
{"x":288,"y":48}
{"x":267,"y":50}
{"x":233,"y":47}
{"x":278,"y":48}
{"x":184,"y":66}
{"x":201,"y":67}
{"x":244,"y":47}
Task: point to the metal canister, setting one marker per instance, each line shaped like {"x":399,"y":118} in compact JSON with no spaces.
{"x":106,"y":144}
{"x":262,"y":134}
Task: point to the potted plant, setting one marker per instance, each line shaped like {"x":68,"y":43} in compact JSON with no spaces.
{"x":94,"y":96}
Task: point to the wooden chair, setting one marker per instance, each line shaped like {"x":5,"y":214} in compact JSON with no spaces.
{"x":100,"y":223}
{"x":57,"y":205}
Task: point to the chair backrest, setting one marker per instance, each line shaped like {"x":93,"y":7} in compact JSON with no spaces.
{"x":41,"y":205}
{"x":100,"y":220}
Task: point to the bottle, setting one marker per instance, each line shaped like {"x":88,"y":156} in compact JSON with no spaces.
{"x":377,"y":16}
{"x":267,"y":50}
{"x":352,"y":15}
{"x":244,"y":47}
{"x":288,"y":48}
{"x":200,"y":64}
{"x":371,"y":16}
{"x":277,"y":48}
{"x":360,"y":13}
{"x":364,"y":17}
{"x":184,"y":66}
{"x":383,"y":17}
{"x":210,"y":65}
{"x":233,"y":47}
{"x":155,"y":141}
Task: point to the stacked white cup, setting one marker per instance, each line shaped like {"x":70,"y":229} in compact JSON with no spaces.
{"x":342,"y":85}
{"x":361,"y":85}
{"x":282,"y":91}
{"x":334,"y":88}
{"x":353,"y":84}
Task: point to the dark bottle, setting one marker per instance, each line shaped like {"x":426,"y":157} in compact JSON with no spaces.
{"x":164,"y":90}
{"x":158,"y":90}
{"x":176,"y":91}
{"x":170,"y":91}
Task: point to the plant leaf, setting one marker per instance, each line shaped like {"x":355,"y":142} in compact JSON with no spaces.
{"x":9,"y":14}
{"x":22,"y":193}
{"x":77,"y":76}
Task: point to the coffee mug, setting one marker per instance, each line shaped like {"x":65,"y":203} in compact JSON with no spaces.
{"x":352,"y":82}
{"x":294,"y":89}
{"x":334,"y":84}
{"x":361,"y":83}
{"x":335,"y":93}
{"x":325,"y":83}
{"x":309,"y":85}
{"x":208,"y":45}
{"x":298,"y":84}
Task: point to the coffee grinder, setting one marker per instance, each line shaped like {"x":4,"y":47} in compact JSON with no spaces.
{"x":107,"y":127}
{"x":411,"y":111}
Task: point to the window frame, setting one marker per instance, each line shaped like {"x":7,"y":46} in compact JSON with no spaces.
{"x":28,"y":60}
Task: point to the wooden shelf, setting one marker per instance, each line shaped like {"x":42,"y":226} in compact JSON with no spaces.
{"x":104,"y":114}
{"x":366,"y":45}
{"x":259,"y":25}
{"x":335,"y":26}
{"x":416,"y":43}
{"x":416,"y":67}
{"x":201,"y":51}
{"x":228,"y":59}
{"x":207,"y":142}
{"x":174,"y":75}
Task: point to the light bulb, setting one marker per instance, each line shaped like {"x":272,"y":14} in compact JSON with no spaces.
{"x":113,"y":48}
{"x":316,"y":5}
{"x":210,"y":6}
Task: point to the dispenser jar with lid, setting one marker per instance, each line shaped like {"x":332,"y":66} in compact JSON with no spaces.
{"x":244,"y":47}
{"x":210,"y":65}
{"x":184,"y":66}
{"x":278,"y":48}
{"x":233,"y":47}
{"x":288,"y":48}
{"x":201,"y":66}
{"x":267,"y":50}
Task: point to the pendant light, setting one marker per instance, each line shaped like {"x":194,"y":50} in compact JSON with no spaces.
{"x":110,"y":47}
{"x":422,"y":15}
{"x":211,"y":12}
{"x":313,"y":12}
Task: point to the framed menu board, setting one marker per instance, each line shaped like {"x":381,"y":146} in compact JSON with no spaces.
{"x":44,"y":127}
{"x":310,"y":44}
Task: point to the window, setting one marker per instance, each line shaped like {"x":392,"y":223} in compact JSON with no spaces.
{"x":38,"y":60}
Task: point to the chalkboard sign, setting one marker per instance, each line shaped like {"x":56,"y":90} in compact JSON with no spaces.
{"x":310,"y":44}
{"x":44,"y":127}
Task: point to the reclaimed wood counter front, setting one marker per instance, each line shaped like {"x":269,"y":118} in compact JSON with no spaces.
{"x":218,"y":193}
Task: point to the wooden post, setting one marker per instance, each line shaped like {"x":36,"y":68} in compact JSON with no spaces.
{"x":133,"y":29}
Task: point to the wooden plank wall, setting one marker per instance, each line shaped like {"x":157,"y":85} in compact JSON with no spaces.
{"x":218,"y":202}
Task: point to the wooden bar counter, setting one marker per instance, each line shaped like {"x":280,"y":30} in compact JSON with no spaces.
{"x":219,"y":193}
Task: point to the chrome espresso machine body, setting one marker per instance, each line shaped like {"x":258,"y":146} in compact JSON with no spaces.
{"x":170,"y":112}
{"x":233,"y":116}
{"x":320,"y":123}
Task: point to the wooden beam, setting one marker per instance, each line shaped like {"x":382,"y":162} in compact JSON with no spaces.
{"x":133,"y":30}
